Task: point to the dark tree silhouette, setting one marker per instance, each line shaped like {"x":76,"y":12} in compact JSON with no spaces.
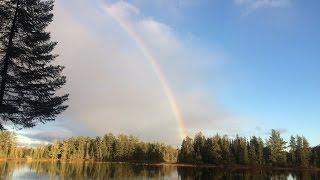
{"x":221,"y":150}
{"x":28,"y":77}
{"x":216,"y":150}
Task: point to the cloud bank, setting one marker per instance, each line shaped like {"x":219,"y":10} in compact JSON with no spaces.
{"x":113,"y":87}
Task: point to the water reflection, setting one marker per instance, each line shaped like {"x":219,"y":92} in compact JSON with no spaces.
{"x":91,"y":170}
{"x":218,"y":173}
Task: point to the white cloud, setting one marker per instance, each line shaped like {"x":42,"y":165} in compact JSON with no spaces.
{"x":124,"y":10}
{"x":112,"y":86}
{"x":256,"y":4}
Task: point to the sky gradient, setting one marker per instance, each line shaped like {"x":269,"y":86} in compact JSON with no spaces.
{"x":233,"y":67}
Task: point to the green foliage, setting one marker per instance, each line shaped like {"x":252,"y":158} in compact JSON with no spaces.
{"x":7,"y":143}
{"x":186,"y":153}
{"x":107,"y":148}
{"x":28,"y":77}
{"x":221,"y":150}
{"x":255,"y":149}
{"x":292,"y":151}
{"x":225,"y":147}
{"x":212,"y":153}
{"x":276,"y":146}
{"x":198,"y":147}
{"x":303,"y":152}
{"x":9,"y":147}
{"x":315,"y":157}
{"x":240,"y":150}
{"x":217,"y":150}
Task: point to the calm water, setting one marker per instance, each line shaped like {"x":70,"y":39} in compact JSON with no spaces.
{"x":89,"y":170}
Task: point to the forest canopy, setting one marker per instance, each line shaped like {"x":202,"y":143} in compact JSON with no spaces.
{"x":215,"y":150}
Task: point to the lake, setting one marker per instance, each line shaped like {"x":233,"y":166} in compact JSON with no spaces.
{"x":93,"y":170}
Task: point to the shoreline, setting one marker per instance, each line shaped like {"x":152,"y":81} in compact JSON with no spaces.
{"x":228,"y":167}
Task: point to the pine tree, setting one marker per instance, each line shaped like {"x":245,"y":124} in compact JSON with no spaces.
{"x":292,"y":151}
{"x":97,"y":149}
{"x":303,"y":151}
{"x":253,"y":150}
{"x":244,"y":151}
{"x":277,"y":146}
{"x":29,"y":79}
{"x":260,"y":148}
{"x":212,"y":150}
{"x":240,"y":150}
{"x":225,"y":146}
{"x":186,"y":154}
{"x":306,"y":151}
{"x":198,"y":145}
{"x":316,"y":156}
{"x":109,"y":141}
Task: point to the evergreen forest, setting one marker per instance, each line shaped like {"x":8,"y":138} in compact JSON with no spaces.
{"x":216,"y":150}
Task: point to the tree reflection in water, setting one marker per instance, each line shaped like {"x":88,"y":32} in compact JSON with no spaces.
{"x":96,"y":170}
{"x":219,"y":173}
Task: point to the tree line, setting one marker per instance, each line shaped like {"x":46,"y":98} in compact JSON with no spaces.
{"x":121,"y":148}
{"x":222,"y":150}
{"x":216,"y":150}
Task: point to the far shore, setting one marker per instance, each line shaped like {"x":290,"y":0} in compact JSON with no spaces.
{"x":229,"y":167}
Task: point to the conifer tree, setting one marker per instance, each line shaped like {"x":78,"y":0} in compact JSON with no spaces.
{"x":260,"y":148}
{"x":109,"y":141}
{"x":240,"y":149}
{"x":277,"y":146}
{"x":292,"y":151}
{"x":213,"y":150}
{"x":186,"y":153}
{"x":28,"y":78}
{"x":225,"y":146}
{"x":303,"y":151}
{"x":314,"y":158}
{"x":253,"y":149}
{"x":306,"y":151}
{"x":198,"y":145}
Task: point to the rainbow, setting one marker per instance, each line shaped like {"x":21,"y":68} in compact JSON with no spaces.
{"x":155,"y":66}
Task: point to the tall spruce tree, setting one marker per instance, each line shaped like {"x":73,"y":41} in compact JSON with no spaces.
{"x":316,"y":156}
{"x":198,"y":145}
{"x":277,"y":146}
{"x":303,"y":151}
{"x":225,"y":146}
{"x":253,"y":151}
{"x":186,"y":154}
{"x":292,"y":151}
{"x":28,"y":77}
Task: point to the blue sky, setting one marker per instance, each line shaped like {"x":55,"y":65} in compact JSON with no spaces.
{"x":273,"y":58}
{"x":244,"y":66}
